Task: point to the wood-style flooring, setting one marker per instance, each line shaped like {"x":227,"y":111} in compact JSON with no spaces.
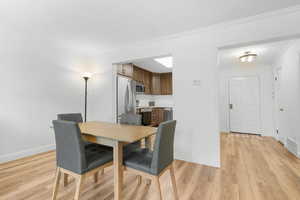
{"x":252,"y":168}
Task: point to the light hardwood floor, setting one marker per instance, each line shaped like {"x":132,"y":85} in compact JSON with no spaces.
{"x":253,"y":168}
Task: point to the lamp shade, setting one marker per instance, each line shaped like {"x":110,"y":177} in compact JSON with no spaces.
{"x":87,"y":75}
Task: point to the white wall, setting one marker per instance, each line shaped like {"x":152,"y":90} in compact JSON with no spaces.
{"x":195,"y":58}
{"x":289,"y":95}
{"x":40,"y":80}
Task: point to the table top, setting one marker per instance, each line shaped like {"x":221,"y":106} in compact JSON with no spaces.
{"x":118,"y":132}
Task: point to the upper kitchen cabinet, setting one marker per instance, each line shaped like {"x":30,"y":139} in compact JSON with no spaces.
{"x":144,"y":77}
{"x":138,"y":74}
{"x":154,"y":83}
{"x":166,"y":85}
{"x":147,"y":82}
{"x":125,"y":69}
{"x":156,"y":90}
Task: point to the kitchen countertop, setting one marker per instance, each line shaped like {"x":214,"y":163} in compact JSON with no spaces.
{"x":139,"y":107}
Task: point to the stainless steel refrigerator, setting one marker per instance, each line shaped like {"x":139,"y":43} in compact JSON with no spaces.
{"x":126,"y":96}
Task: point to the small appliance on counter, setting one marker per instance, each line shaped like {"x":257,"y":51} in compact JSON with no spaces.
{"x":151,"y":103}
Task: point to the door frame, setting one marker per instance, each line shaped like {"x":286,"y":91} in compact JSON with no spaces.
{"x":259,"y":96}
{"x":277,"y":103}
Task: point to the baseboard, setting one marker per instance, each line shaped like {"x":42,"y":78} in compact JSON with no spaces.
{"x":189,"y":159}
{"x":25,"y":153}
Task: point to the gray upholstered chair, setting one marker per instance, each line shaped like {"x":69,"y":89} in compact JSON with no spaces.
{"x":73,"y":158}
{"x":131,"y":119}
{"x":77,"y":117}
{"x":154,"y":164}
{"x":73,"y":117}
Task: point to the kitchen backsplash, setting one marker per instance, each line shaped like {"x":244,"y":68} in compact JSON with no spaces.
{"x":160,"y":100}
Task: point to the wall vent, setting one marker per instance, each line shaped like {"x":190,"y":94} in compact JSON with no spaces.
{"x":292,"y":146}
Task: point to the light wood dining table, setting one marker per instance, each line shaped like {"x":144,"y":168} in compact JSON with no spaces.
{"x":116,"y":136}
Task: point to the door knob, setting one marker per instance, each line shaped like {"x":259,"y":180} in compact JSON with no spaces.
{"x":231,"y":106}
{"x":281,"y":109}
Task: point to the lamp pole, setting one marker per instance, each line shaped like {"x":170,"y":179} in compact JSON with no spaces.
{"x":85,"y":97}
{"x":86,"y":76}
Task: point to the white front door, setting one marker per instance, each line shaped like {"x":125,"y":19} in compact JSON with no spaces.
{"x":244,"y":100}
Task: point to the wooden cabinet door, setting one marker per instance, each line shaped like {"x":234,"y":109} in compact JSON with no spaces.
{"x":166,"y":84}
{"x":128,"y":70}
{"x":120,"y":69}
{"x":161,"y":112}
{"x":135,"y":73}
{"x":147,"y":81}
{"x":138,"y":74}
{"x":157,"y":116}
{"x":125,"y":69}
{"x":156,"y":84}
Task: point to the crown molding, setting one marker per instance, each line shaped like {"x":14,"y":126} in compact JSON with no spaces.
{"x":214,"y":27}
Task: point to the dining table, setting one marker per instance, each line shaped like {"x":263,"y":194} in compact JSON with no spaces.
{"x":116,"y":136}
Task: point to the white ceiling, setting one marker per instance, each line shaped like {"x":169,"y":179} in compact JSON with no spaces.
{"x":151,"y":65}
{"x":268,"y":53}
{"x":109,"y":23}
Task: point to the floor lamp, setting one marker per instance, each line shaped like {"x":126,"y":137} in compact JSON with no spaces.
{"x":86,"y":76}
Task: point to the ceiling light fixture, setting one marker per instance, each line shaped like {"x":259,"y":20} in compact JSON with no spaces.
{"x":248,"y":57}
{"x":165,"y":61}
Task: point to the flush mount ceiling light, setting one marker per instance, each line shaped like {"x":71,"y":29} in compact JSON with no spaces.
{"x":165,"y":61}
{"x":248,"y":57}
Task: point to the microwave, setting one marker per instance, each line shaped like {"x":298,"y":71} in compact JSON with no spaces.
{"x":139,"y":88}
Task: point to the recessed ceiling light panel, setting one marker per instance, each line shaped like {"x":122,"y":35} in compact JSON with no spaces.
{"x":165,"y":61}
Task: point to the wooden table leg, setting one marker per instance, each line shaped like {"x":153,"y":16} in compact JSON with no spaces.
{"x":118,"y":170}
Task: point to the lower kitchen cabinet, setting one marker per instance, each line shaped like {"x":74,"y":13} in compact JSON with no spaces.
{"x":157,"y":116}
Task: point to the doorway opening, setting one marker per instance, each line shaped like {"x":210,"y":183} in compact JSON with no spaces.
{"x":259,"y":91}
{"x":144,"y":87}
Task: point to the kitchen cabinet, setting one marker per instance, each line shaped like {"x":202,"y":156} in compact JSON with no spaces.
{"x":125,"y":69}
{"x":138,"y":74}
{"x":162,"y":84}
{"x":166,"y":87}
{"x":144,"y":77}
{"x":147,"y":82}
{"x":156,"y":84}
{"x":157,"y":116}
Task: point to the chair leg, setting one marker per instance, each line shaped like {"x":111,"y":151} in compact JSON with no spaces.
{"x":78,"y":187}
{"x":148,"y":181}
{"x":96,"y":177}
{"x":56,"y":183}
{"x":65,"y":179}
{"x":173,"y":182}
{"x":139,"y":179}
{"x":156,"y":180}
